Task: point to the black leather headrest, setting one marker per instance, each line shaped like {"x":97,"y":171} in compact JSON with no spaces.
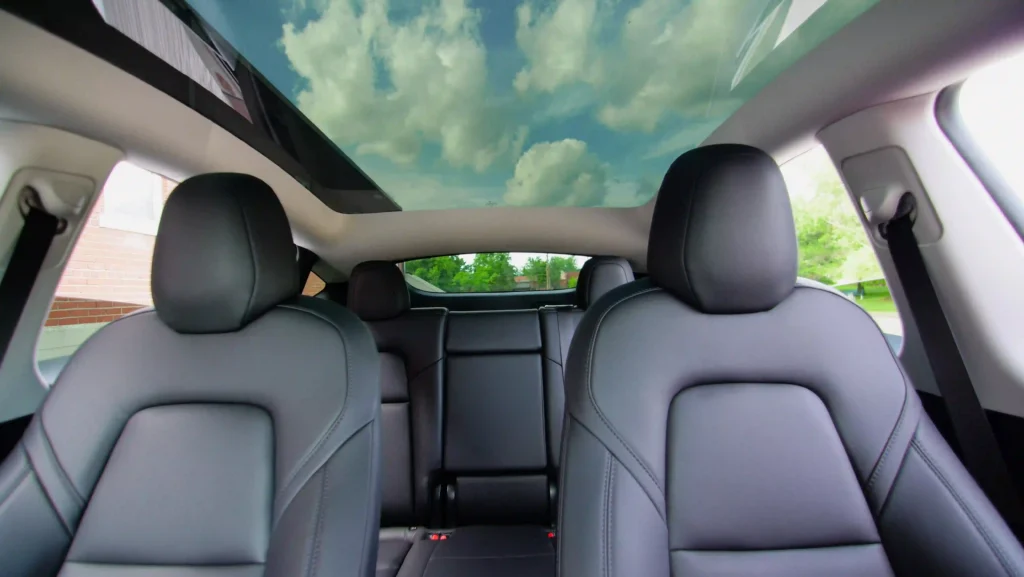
{"x":224,"y":254}
{"x":722,"y":236}
{"x":377,"y":291}
{"x":600,"y":275}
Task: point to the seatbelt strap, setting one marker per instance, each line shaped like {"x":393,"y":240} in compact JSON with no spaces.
{"x":981,"y":453}
{"x":26,"y":260}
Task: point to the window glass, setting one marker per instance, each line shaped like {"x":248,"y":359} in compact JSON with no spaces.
{"x":991,"y":104}
{"x":494,"y":272}
{"x":834,"y":247}
{"x":107,"y":275}
{"x":313,"y":286}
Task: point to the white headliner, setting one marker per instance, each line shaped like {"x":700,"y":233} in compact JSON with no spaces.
{"x":897,"y":49}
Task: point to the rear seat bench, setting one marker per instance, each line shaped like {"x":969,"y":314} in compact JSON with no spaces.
{"x":471,"y":426}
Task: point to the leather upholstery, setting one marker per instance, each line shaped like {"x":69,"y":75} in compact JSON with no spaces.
{"x":377,"y":291}
{"x":494,"y":384}
{"x":514,"y":551}
{"x":223,"y":254}
{"x":722,"y":235}
{"x":411,"y":343}
{"x":558,"y":324}
{"x":251,"y":451}
{"x":411,"y":348}
{"x":783,"y":441}
{"x":599,"y":275}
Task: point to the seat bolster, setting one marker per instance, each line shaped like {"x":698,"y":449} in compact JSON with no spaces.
{"x":33,"y":537}
{"x":937,"y":521}
{"x":336,"y":512}
{"x":608,"y":523}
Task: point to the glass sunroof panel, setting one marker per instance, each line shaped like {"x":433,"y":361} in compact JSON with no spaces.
{"x":472,"y":103}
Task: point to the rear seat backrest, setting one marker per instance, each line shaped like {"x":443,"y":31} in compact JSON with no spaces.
{"x":495,"y":433}
{"x":411,"y":345}
{"x":558,"y":325}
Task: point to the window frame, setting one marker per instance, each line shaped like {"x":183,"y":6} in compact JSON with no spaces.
{"x":951,"y":123}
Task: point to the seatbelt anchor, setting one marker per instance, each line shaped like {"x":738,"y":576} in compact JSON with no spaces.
{"x":30,"y":200}
{"x":905,"y":208}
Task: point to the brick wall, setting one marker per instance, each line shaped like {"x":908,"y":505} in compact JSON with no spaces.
{"x":108,"y":271}
{"x":72,"y":311}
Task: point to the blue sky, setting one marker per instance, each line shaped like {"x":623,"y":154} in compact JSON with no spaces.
{"x":451,"y":103}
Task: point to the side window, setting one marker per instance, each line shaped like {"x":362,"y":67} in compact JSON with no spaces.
{"x":991,"y":108}
{"x":834,"y":247}
{"x":107,"y":274}
{"x":313,"y":286}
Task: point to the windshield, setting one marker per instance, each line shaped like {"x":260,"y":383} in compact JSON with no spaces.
{"x":471,"y":103}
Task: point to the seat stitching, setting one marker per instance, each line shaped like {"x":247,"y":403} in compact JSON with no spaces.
{"x":891,"y":440}
{"x":604,"y":516}
{"x":62,"y":474}
{"x":619,"y":461}
{"x":371,"y":527}
{"x":15,"y":486}
{"x":53,"y":505}
{"x":686,"y":233}
{"x":252,"y":259}
{"x":340,"y":447}
{"x":1000,"y":555}
{"x":344,"y":406}
{"x":611,"y":515}
{"x":590,"y":388}
{"x":311,"y":568}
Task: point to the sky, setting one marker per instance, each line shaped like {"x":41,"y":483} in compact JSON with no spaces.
{"x":459,"y":103}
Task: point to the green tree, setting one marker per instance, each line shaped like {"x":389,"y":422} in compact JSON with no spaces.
{"x":833,"y":245}
{"x":440,"y":271}
{"x":489,"y":272}
{"x":538,"y":268}
{"x":559,"y":265}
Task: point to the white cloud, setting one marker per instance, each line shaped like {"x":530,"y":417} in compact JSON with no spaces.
{"x":386,"y":88}
{"x":558,"y":43}
{"x":668,"y":57}
{"x":562,"y":173}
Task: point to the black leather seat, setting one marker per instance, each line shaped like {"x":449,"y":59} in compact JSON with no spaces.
{"x":411,"y":343}
{"x":599,"y":275}
{"x":232,"y":431}
{"x":724,"y":419}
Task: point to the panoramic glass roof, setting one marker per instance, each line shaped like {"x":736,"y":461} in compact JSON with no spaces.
{"x":464,"y":103}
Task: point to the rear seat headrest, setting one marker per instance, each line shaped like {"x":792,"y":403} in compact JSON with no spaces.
{"x":377,"y":291}
{"x":223,"y":255}
{"x":600,"y":275}
{"x":722,"y":236}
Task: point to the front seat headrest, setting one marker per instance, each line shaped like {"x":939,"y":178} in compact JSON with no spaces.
{"x":600,"y":275}
{"x":377,"y":291}
{"x":224,"y":254}
{"x":722,"y":236}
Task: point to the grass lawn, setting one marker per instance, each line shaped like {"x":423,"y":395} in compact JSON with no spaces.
{"x":877,"y":304}
{"x":876,"y":297}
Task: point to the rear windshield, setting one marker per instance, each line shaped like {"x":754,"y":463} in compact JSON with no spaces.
{"x":494,"y":272}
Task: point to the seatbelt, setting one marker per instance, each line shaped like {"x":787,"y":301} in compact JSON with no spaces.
{"x":26,"y":260}
{"x":981,"y":453}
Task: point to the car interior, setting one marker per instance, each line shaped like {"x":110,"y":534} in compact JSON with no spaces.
{"x":446,"y":288}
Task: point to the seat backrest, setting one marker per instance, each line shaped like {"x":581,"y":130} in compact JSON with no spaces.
{"x":599,"y":275}
{"x":411,"y":345}
{"x":495,"y":426}
{"x":722,"y":419}
{"x":232,"y":431}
